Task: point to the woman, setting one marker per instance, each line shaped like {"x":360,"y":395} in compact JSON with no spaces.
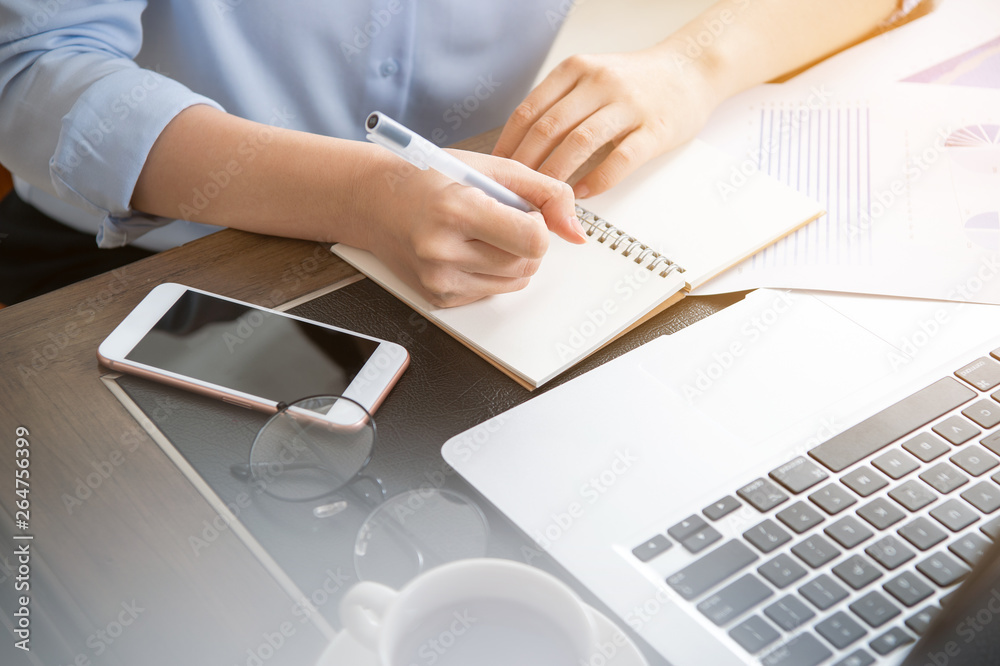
{"x":118,"y":118}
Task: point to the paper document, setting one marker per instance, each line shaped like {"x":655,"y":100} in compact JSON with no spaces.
{"x":909,"y":175}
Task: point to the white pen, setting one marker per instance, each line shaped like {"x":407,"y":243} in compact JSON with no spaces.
{"x":422,"y":154}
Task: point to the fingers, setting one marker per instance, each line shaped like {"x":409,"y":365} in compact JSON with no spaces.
{"x":471,"y":288}
{"x":550,"y":130}
{"x":606,"y":124}
{"x":466,"y":263}
{"x":633,"y":151}
{"x":590,"y":101}
{"x":521,"y":235}
{"x":554,"y":87}
{"x":481,"y":258}
{"x":444,"y":284}
{"x":552,"y":197}
{"x":467,"y":245}
{"x":473,"y":233}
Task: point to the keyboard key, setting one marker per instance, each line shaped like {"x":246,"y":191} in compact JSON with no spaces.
{"x":848,"y":532}
{"x":815,"y":551}
{"x":985,"y":413}
{"x":823,"y":591}
{"x":919,"y":621}
{"x":864,"y":481}
{"x":926,"y":446}
{"x":803,"y":650}
{"x":954,"y":515}
{"x":890,"y":552}
{"x":857,"y":571}
{"x":908,"y":588}
{"x":754,"y":634}
{"x":922,"y":533}
{"x":798,"y":475}
{"x":655,"y":546}
{"x":781,"y":571}
{"x":983,"y":373}
{"x":985,"y":496}
{"x":913,"y":495}
{"x":891,"y":640}
{"x":875,"y":609}
{"x":767,"y":536}
{"x":857,"y":658}
{"x":880,"y":513}
{"x":943,"y":569}
{"x":723,"y":507}
{"x":789,"y":612}
{"x":701,"y":540}
{"x":762,"y":495}
{"x":992,"y":442}
{"x":690,"y":525}
{"x":840,"y":630}
{"x":878,"y":431}
{"x":734,"y":599}
{"x":944,"y":478}
{"x":712,"y":569}
{"x":896,"y":463}
{"x":832,"y":498}
{"x":970,"y":548}
{"x":975,"y":460}
{"x":799,"y":517}
{"x":956,"y":430}
{"x":992,"y":529}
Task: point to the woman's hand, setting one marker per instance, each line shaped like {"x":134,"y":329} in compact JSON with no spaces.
{"x":454,"y":243}
{"x":644,"y":103}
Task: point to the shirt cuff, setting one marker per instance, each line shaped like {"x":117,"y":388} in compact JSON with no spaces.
{"x":104,"y":142}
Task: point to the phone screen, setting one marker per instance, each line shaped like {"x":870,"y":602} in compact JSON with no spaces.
{"x":254,"y":351}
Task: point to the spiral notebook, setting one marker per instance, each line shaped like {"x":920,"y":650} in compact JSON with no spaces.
{"x":671,"y":226}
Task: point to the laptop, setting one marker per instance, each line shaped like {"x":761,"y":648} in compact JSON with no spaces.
{"x":802,"y":478}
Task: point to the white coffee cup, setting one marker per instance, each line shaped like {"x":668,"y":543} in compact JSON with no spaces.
{"x":485,"y":612}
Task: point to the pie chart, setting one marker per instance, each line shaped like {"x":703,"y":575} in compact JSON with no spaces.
{"x":976,"y":147}
{"x":984,"y":230}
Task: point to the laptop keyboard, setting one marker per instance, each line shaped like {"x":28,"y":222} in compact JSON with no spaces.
{"x":855,"y":544}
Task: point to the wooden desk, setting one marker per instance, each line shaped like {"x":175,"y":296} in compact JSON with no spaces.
{"x":128,"y":540}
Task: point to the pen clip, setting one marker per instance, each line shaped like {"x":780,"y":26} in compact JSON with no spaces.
{"x":389,"y":145}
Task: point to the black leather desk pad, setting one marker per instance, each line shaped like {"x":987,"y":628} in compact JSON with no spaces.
{"x":446,"y":390}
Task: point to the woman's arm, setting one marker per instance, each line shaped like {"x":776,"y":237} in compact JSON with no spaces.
{"x":451,"y":242}
{"x":135,"y":148}
{"x":650,"y":101}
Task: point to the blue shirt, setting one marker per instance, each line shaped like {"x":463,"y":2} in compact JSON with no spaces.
{"x":88,"y":85}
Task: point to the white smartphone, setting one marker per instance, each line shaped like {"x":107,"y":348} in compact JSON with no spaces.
{"x":247,"y":355}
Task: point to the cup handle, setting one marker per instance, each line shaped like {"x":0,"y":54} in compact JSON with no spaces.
{"x":363,"y":609}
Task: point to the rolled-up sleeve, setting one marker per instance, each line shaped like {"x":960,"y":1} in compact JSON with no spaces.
{"x":77,"y":116}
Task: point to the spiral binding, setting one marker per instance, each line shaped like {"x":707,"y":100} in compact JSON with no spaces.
{"x":592,"y":224}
